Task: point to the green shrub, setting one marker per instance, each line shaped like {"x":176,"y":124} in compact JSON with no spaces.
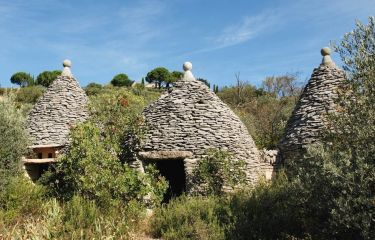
{"x":77,"y":172}
{"x":20,"y":199}
{"x":216,"y":172}
{"x":190,"y":218}
{"x":78,"y":218}
{"x":271,"y":210}
{"x":93,"y":89}
{"x":13,"y":139}
{"x":29,"y":94}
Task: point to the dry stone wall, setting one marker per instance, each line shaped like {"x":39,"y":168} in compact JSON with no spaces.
{"x":192,"y":118}
{"x":308,"y":118}
{"x":62,"y":105}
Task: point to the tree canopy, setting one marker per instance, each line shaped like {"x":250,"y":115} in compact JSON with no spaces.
{"x":22,"y":78}
{"x":205,"y":81}
{"x":121,"y":80}
{"x":159,"y":76}
{"x":47,"y":77}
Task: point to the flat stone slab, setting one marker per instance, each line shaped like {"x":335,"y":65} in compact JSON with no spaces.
{"x":165,"y":155}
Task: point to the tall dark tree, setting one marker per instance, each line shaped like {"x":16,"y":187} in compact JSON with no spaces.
{"x":23,"y":79}
{"x":47,"y":77}
{"x":121,"y":80}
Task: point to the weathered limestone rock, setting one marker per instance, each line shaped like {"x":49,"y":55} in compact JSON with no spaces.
{"x":192,"y":118}
{"x":62,"y":105}
{"x":307,"y":121}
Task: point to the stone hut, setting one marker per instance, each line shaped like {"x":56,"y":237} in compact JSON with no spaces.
{"x":50,"y":120}
{"x":307,"y":121}
{"x":186,"y":121}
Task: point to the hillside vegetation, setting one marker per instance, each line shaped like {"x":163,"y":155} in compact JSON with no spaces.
{"x":93,"y":193}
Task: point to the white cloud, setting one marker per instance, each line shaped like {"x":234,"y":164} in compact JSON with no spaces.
{"x":248,"y":28}
{"x":244,"y":30}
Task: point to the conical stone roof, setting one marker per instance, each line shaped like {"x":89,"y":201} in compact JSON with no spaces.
{"x":307,"y":121}
{"x":62,"y":105}
{"x":192,"y":118}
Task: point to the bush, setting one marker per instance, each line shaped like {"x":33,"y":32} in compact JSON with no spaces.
{"x":78,"y":218}
{"x":29,"y":94}
{"x":216,"y":172}
{"x":13,"y":139}
{"x":93,"y":89}
{"x":20,"y":199}
{"x":77,"y":172}
{"x":272,"y":210}
{"x":190,"y":218}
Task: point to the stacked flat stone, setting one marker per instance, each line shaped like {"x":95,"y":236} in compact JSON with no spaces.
{"x":308,"y":118}
{"x":191,"y":118}
{"x":62,"y":105}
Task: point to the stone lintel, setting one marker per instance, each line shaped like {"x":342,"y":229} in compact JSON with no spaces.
{"x":38,"y":161}
{"x":165,"y":155}
{"x":45,"y":146}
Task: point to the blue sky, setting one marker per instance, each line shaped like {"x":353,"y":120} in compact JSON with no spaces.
{"x":220,"y":38}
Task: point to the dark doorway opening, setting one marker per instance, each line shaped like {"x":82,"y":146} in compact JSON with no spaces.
{"x":35,"y":171}
{"x":174,"y":172}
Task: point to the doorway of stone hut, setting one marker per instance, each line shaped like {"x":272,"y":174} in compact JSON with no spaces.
{"x":174,"y":172}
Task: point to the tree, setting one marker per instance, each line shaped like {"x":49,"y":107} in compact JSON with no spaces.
{"x":143,"y":82}
{"x":47,"y":77}
{"x":159,"y":76}
{"x":13,"y":139}
{"x":23,"y":79}
{"x":337,"y":177}
{"x":205,"y":82}
{"x":121,"y":80}
{"x":93,"y":88}
{"x":282,"y":86}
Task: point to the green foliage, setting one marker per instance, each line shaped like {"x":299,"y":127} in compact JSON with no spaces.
{"x":47,"y":77}
{"x":13,"y":139}
{"x":205,"y":81}
{"x":271,"y":210}
{"x":29,"y":94}
{"x":121,"y":80}
{"x":176,"y":75}
{"x":159,"y":76}
{"x":217,"y":172}
{"x":78,"y":218}
{"x":20,"y":197}
{"x":264,"y":114}
{"x":96,"y":144}
{"x":189,"y":218}
{"x":337,"y":177}
{"x":23,"y":79}
{"x":77,"y":172}
{"x":93,"y":89}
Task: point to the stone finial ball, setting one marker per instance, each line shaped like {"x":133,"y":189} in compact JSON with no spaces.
{"x":325,"y":51}
{"x":67,"y":63}
{"x":187,"y":66}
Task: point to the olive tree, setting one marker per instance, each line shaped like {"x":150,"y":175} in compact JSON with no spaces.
{"x":13,"y":139}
